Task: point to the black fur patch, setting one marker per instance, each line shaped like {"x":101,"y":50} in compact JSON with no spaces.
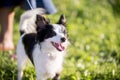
{"x":21,"y":32}
{"x":45,"y":33}
{"x":56,"y":77}
{"x":29,"y":40}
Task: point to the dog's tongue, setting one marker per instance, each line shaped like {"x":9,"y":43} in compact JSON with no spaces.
{"x":59,"y":46}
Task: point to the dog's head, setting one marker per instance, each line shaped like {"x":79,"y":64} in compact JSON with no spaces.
{"x":52,"y":36}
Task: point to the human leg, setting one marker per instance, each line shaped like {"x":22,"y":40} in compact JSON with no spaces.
{"x":6,"y":35}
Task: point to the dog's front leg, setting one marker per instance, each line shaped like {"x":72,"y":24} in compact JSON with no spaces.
{"x":39,"y":77}
{"x":56,"y":77}
{"x":20,"y":74}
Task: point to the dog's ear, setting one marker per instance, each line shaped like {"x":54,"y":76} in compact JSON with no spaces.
{"x":62,"y":20}
{"x":41,"y":21}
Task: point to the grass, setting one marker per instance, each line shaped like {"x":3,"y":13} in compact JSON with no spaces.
{"x":94,"y":53}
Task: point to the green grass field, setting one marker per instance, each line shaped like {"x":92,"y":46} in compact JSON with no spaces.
{"x":94,"y":32}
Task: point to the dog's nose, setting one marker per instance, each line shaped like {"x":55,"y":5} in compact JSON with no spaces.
{"x":63,"y":39}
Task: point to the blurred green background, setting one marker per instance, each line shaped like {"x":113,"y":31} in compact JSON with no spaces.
{"x":94,"y":33}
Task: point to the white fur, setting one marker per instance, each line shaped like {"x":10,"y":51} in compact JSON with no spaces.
{"x":27,"y":20}
{"x":47,"y":59}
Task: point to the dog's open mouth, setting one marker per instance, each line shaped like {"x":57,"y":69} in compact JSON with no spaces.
{"x":58,"y":46}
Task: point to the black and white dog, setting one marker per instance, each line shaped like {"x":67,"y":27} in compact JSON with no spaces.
{"x":45,"y":49}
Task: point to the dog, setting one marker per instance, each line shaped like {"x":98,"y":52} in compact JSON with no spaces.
{"x":45,"y":48}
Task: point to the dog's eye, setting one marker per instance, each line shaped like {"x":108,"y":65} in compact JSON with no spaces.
{"x":50,"y":34}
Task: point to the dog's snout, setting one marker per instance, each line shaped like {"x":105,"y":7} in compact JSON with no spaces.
{"x":63,"y":39}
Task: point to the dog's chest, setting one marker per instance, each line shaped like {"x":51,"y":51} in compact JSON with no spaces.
{"x":47,"y":61}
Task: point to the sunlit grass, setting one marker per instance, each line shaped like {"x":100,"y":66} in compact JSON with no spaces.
{"x":94,"y":52}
